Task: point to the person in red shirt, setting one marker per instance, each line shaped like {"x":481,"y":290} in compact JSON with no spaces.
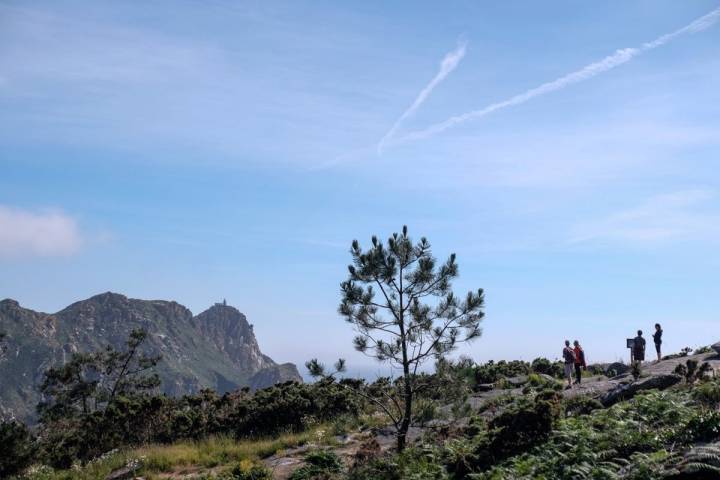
{"x":580,"y":363}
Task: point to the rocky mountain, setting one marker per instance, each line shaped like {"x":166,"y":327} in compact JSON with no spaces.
{"x":215,"y":349}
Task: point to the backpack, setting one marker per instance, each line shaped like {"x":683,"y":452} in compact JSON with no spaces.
{"x":568,"y":355}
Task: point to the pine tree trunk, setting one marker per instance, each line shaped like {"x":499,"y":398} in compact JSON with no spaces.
{"x":407,"y":416}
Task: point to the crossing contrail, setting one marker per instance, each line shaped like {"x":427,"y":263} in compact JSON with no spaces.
{"x":618,"y":58}
{"x":448,"y":64}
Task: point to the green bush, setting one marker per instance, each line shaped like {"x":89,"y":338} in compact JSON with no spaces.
{"x":683,"y":353}
{"x":705,"y":349}
{"x":491,"y":372}
{"x":287,"y":406}
{"x":702,"y":427}
{"x":255,"y":472}
{"x":521,"y":425}
{"x":580,"y":405}
{"x":319,"y":464}
{"x":708,"y":394}
{"x":692,"y":371}
{"x":422,"y":462}
{"x":17,"y":448}
{"x":543,"y":365}
{"x":598,"y":445}
{"x":496,"y":403}
{"x":375,"y":469}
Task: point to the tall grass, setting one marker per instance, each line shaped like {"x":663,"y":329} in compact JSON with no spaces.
{"x":209,"y":453}
{"x":215,"y":451}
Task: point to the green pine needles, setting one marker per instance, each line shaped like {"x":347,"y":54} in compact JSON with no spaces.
{"x":400,"y":302}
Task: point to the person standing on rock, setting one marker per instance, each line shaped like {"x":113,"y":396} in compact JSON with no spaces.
{"x":657,"y":338}
{"x":580,"y":363}
{"x":569,"y":358}
{"x":639,"y":348}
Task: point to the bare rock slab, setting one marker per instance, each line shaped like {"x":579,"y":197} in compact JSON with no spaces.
{"x":629,"y":390}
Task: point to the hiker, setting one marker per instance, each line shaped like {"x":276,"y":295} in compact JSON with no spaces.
{"x":580,"y":363}
{"x":569,"y":358}
{"x":657,"y":338}
{"x":639,"y":348}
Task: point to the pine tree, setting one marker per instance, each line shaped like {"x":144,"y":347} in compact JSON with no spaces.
{"x":89,"y":382}
{"x":400,"y":302}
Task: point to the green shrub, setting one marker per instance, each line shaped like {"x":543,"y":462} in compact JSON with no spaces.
{"x":375,"y":469}
{"x":683,"y":353}
{"x":288,"y":406}
{"x":495,"y":403}
{"x":543,"y":365}
{"x":692,"y":371}
{"x":521,"y":425}
{"x":705,"y":349}
{"x":491,"y":372}
{"x":254,"y":472}
{"x":598,"y":445}
{"x":708,"y":394}
{"x":17,"y":448}
{"x":581,"y":405}
{"x":318,"y":464}
{"x":702,"y":427}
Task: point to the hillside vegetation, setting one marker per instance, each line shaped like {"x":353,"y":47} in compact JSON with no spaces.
{"x":498,"y":420}
{"x":215,"y":349}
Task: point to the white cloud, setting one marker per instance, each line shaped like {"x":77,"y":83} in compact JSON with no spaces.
{"x":48,"y":233}
{"x":660,"y":219}
{"x":610,"y":62}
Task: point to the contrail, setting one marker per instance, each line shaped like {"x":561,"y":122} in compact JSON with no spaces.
{"x":608,"y":63}
{"x":448,"y":64}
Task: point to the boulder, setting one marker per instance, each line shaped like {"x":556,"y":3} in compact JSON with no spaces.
{"x":546,"y":377}
{"x":124,"y":473}
{"x":484,"y":387}
{"x":716,"y":347}
{"x":629,"y":390}
{"x":618,"y":367}
{"x":518,"y":381}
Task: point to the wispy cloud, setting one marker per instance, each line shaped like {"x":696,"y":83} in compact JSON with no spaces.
{"x":97,"y":77}
{"x":26,"y":233}
{"x":610,"y":62}
{"x":448,"y":64}
{"x":669,"y":217}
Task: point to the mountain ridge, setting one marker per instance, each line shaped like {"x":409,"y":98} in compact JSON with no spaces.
{"x":216,"y":348}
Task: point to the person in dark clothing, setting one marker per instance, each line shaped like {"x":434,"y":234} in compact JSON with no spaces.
{"x":580,"y":363}
{"x":657,"y":338}
{"x":639,"y":348}
{"x":569,"y":359}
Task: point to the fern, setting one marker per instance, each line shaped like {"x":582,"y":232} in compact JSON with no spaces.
{"x":701,"y":459}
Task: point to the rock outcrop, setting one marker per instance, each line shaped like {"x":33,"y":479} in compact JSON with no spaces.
{"x":215,"y":349}
{"x":625,"y":391}
{"x":273,"y":374}
{"x":616,"y":368}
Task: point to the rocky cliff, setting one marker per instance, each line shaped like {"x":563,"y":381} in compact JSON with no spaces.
{"x":215,"y":349}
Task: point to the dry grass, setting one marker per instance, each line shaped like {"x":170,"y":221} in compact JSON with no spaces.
{"x":212,"y":453}
{"x":215,"y":451}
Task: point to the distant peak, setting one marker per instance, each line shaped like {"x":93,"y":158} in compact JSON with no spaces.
{"x":9,"y":302}
{"x":108,"y":296}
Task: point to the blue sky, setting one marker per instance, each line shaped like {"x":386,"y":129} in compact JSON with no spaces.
{"x":201,"y":150}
